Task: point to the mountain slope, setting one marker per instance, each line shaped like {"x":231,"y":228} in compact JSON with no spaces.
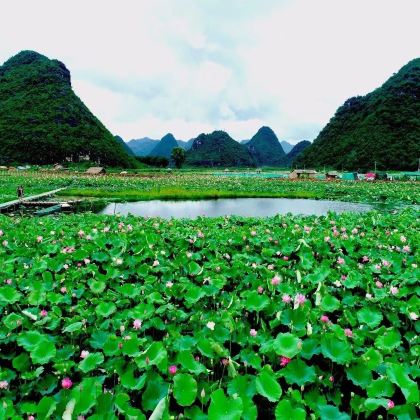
{"x":143,"y":146}
{"x":265,"y":148}
{"x":287,"y":147}
{"x":383,"y":126}
{"x":296,"y":151}
{"x":186,"y":145}
{"x":165,"y":146}
{"x":218,"y":149}
{"x":43,"y":121}
{"x":124,"y":145}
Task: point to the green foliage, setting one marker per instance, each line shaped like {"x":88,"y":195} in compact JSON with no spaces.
{"x":178,"y":156}
{"x":266,"y":148}
{"x":297,"y":150}
{"x":156,"y":161}
{"x":164,"y":147}
{"x":218,"y":149}
{"x":198,"y":307}
{"x":383,"y":126}
{"x":42,"y":120}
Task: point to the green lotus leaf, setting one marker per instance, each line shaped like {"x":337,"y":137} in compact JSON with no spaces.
{"x":287,"y":344}
{"x":285,"y":411}
{"x":75,"y":326}
{"x":329,"y":303}
{"x":105,"y":309}
{"x":298,"y":372}
{"x":256,"y":302}
{"x":224,"y":408}
{"x":267,"y":385}
{"x":9,"y":295}
{"x":370,"y":316}
{"x":91,"y":362}
{"x":185,"y":389}
{"x":337,"y":350}
{"x":388,"y":341}
{"x":398,"y":375}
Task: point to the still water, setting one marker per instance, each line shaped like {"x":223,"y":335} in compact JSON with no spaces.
{"x":251,"y":207}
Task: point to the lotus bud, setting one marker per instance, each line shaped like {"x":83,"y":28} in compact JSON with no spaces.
{"x":203,"y":393}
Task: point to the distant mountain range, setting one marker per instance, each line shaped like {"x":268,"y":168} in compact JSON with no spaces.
{"x":42,"y":121}
{"x":143,"y":146}
{"x":287,"y":147}
{"x":381,"y":127}
{"x":164,"y":146}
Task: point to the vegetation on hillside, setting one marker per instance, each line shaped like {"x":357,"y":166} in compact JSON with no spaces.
{"x":165,"y":146}
{"x":266,"y":149}
{"x":381,"y":127}
{"x":43,"y":121}
{"x":124,"y":145}
{"x":296,"y":151}
{"x":218,"y":149}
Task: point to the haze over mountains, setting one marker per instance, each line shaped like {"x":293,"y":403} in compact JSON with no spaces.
{"x":42,"y":121}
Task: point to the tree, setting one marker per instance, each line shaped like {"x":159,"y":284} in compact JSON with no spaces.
{"x":178,"y":156}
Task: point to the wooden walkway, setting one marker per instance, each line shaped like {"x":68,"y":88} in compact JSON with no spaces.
{"x":8,"y":204}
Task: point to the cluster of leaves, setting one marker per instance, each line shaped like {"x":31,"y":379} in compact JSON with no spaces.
{"x":383,"y":126}
{"x":210,"y":318}
{"x":43,"y":121}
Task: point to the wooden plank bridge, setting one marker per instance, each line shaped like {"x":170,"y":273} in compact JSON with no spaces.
{"x":11,"y":204}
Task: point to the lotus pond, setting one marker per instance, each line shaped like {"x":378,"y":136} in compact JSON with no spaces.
{"x":249,"y":207}
{"x":288,"y":317}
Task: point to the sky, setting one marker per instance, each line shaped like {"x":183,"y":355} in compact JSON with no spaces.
{"x":149,"y":67}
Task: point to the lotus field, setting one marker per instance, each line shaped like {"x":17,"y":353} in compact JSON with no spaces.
{"x":228,"y":318}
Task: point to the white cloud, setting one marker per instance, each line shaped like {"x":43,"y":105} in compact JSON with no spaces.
{"x":150,"y":67}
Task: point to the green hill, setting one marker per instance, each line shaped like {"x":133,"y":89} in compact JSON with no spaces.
{"x":266,"y":148}
{"x":218,"y":149}
{"x":42,"y":120}
{"x":143,"y":146}
{"x":165,"y":146}
{"x":296,"y":151}
{"x":383,"y":126}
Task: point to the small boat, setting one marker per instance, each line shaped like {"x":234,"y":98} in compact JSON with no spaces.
{"x":49,"y":210}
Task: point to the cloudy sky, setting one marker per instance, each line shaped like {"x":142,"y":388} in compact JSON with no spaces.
{"x":148,"y":67}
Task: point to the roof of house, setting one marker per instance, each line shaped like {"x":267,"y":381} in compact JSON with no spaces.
{"x":95,"y":170}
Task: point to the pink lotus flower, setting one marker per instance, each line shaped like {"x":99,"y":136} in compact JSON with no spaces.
{"x":307,"y":229}
{"x":354,"y":231}
{"x":327,"y":238}
{"x":253,"y":332}
{"x":386,"y":263}
{"x":403,"y":239}
{"x":379,"y":285}
{"x":340,"y":261}
{"x":324,"y":319}
{"x":285,"y":258}
{"x":169,"y":284}
{"x":8,"y":281}
{"x":1,"y":233}
{"x":137,"y":324}
{"x":31,"y":417}
{"x":270,"y":267}
{"x":348,"y":332}
{"x":81,"y":233}
{"x":378,"y":267}
{"x":5,"y":243}
{"x":390,"y":404}
{"x":63,"y":290}
{"x":286,"y":298}
{"x":44,"y":313}
{"x":275,"y":280}
{"x":66,"y":383}
{"x":4,"y":384}
{"x":155,"y":263}
{"x":253,"y":233}
{"x":300,"y":299}
{"x":343,"y":277}
{"x":365,"y":258}
{"x":225,"y":362}
{"x":393,"y":290}
{"x":200,"y":234}
{"x":260,"y":289}
{"x":406,"y":248}
{"x":331,"y":378}
{"x":39,"y":239}
{"x":84,"y":354}
{"x":284,"y":361}
{"x":336,"y":233}
{"x":172,"y":369}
